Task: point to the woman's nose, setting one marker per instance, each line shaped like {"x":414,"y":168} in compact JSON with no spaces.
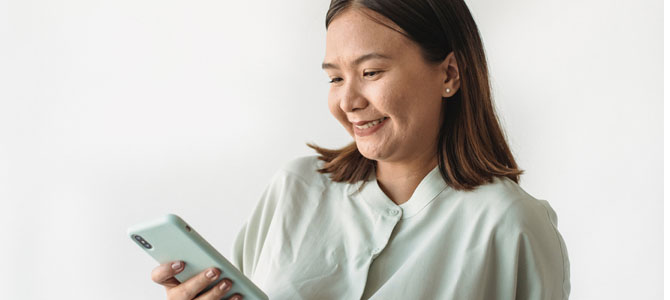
{"x":351,"y":98}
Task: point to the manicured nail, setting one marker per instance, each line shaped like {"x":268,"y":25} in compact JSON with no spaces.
{"x":210,"y":274}
{"x":176,"y":266}
{"x":223,"y":286}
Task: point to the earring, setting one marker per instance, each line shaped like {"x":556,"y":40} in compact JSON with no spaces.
{"x":448,"y":90}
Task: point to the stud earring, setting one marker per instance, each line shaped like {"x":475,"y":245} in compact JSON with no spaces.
{"x":448,"y":90}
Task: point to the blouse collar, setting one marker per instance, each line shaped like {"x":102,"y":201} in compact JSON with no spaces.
{"x":427,"y":191}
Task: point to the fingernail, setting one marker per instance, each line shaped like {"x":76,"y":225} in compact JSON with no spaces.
{"x":210,"y":274}
{"x":223,"y":286}
{"x":176,"y":266}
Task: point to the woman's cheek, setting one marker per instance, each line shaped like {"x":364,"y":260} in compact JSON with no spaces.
{"x":383,"y":93}
{"x":340,"y":116}
{"x":333,"y":106}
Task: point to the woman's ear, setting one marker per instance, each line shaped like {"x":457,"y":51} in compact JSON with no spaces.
{"x":452,"y":77}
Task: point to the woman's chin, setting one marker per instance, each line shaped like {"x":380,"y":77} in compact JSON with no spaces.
{"x":367,"y":152}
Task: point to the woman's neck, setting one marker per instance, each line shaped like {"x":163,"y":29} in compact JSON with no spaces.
{"x":398,"y":180}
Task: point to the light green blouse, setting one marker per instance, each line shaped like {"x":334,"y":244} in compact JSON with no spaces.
{"x":312,"y":238}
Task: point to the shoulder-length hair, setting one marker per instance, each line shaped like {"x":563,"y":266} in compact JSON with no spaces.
{"x":471,"y":147}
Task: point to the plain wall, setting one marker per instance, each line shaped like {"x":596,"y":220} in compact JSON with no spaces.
{"x":115,"y":112}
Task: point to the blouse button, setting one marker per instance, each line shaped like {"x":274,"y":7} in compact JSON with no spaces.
{"x":393,"y":211}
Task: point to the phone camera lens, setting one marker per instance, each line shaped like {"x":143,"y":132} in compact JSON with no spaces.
{"x":141,"y":240}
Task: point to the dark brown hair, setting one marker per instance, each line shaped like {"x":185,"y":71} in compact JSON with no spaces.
{"x":471,"y":147}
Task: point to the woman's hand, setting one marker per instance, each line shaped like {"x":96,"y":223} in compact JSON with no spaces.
{"x":189,"y":289}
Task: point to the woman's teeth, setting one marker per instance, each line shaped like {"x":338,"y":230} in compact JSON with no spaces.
{"x":371,"y":123}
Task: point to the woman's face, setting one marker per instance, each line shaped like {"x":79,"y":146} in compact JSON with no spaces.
{"x":378,"y":74}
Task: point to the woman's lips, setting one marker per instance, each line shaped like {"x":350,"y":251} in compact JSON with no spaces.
{"x":368,"y":130}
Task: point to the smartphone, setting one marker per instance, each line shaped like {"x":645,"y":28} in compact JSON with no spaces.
{"x":170,"y":238}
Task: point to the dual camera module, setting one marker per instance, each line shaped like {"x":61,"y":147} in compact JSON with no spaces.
{"x":141,"y":240}
{"x":146,"y":244}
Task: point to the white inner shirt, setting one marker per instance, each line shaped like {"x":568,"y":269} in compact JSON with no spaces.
{"x":312,"y":238}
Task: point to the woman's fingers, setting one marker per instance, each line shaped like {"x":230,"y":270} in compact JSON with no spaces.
{"x":235,"y":297}
{"x":190,"y":288}
{"x":217,"y":291}
{"x":164,"y":274}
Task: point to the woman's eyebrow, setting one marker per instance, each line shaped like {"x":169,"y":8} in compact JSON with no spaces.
{"x":357,"y":61}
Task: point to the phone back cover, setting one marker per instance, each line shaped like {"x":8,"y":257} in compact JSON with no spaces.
{"x":173,"y":239}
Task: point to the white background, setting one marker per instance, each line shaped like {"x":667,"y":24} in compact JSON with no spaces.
{"x":115,"y":112}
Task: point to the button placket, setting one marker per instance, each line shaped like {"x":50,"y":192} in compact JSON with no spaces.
{"x":389,"y":219}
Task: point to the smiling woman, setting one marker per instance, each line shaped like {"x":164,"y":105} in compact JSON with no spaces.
{"x":400,"y":60}
{"x":425,"y":203}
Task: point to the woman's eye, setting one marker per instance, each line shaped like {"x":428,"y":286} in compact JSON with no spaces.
{"x":371,"y":73}
{"x":365,"y":74}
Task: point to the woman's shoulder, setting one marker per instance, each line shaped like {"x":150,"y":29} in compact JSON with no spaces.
{"x":511,"y":206}
{"x":524,"y":226}
{"x":305,"y":169}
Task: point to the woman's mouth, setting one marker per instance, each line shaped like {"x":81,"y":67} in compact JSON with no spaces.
{"x":369,"y":127}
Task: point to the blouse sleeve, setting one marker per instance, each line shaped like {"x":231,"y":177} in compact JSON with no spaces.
{"x":542,"y":267}
{"x":251,"y":237}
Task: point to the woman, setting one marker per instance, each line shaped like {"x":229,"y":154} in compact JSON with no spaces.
{"x":425,"y":204}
